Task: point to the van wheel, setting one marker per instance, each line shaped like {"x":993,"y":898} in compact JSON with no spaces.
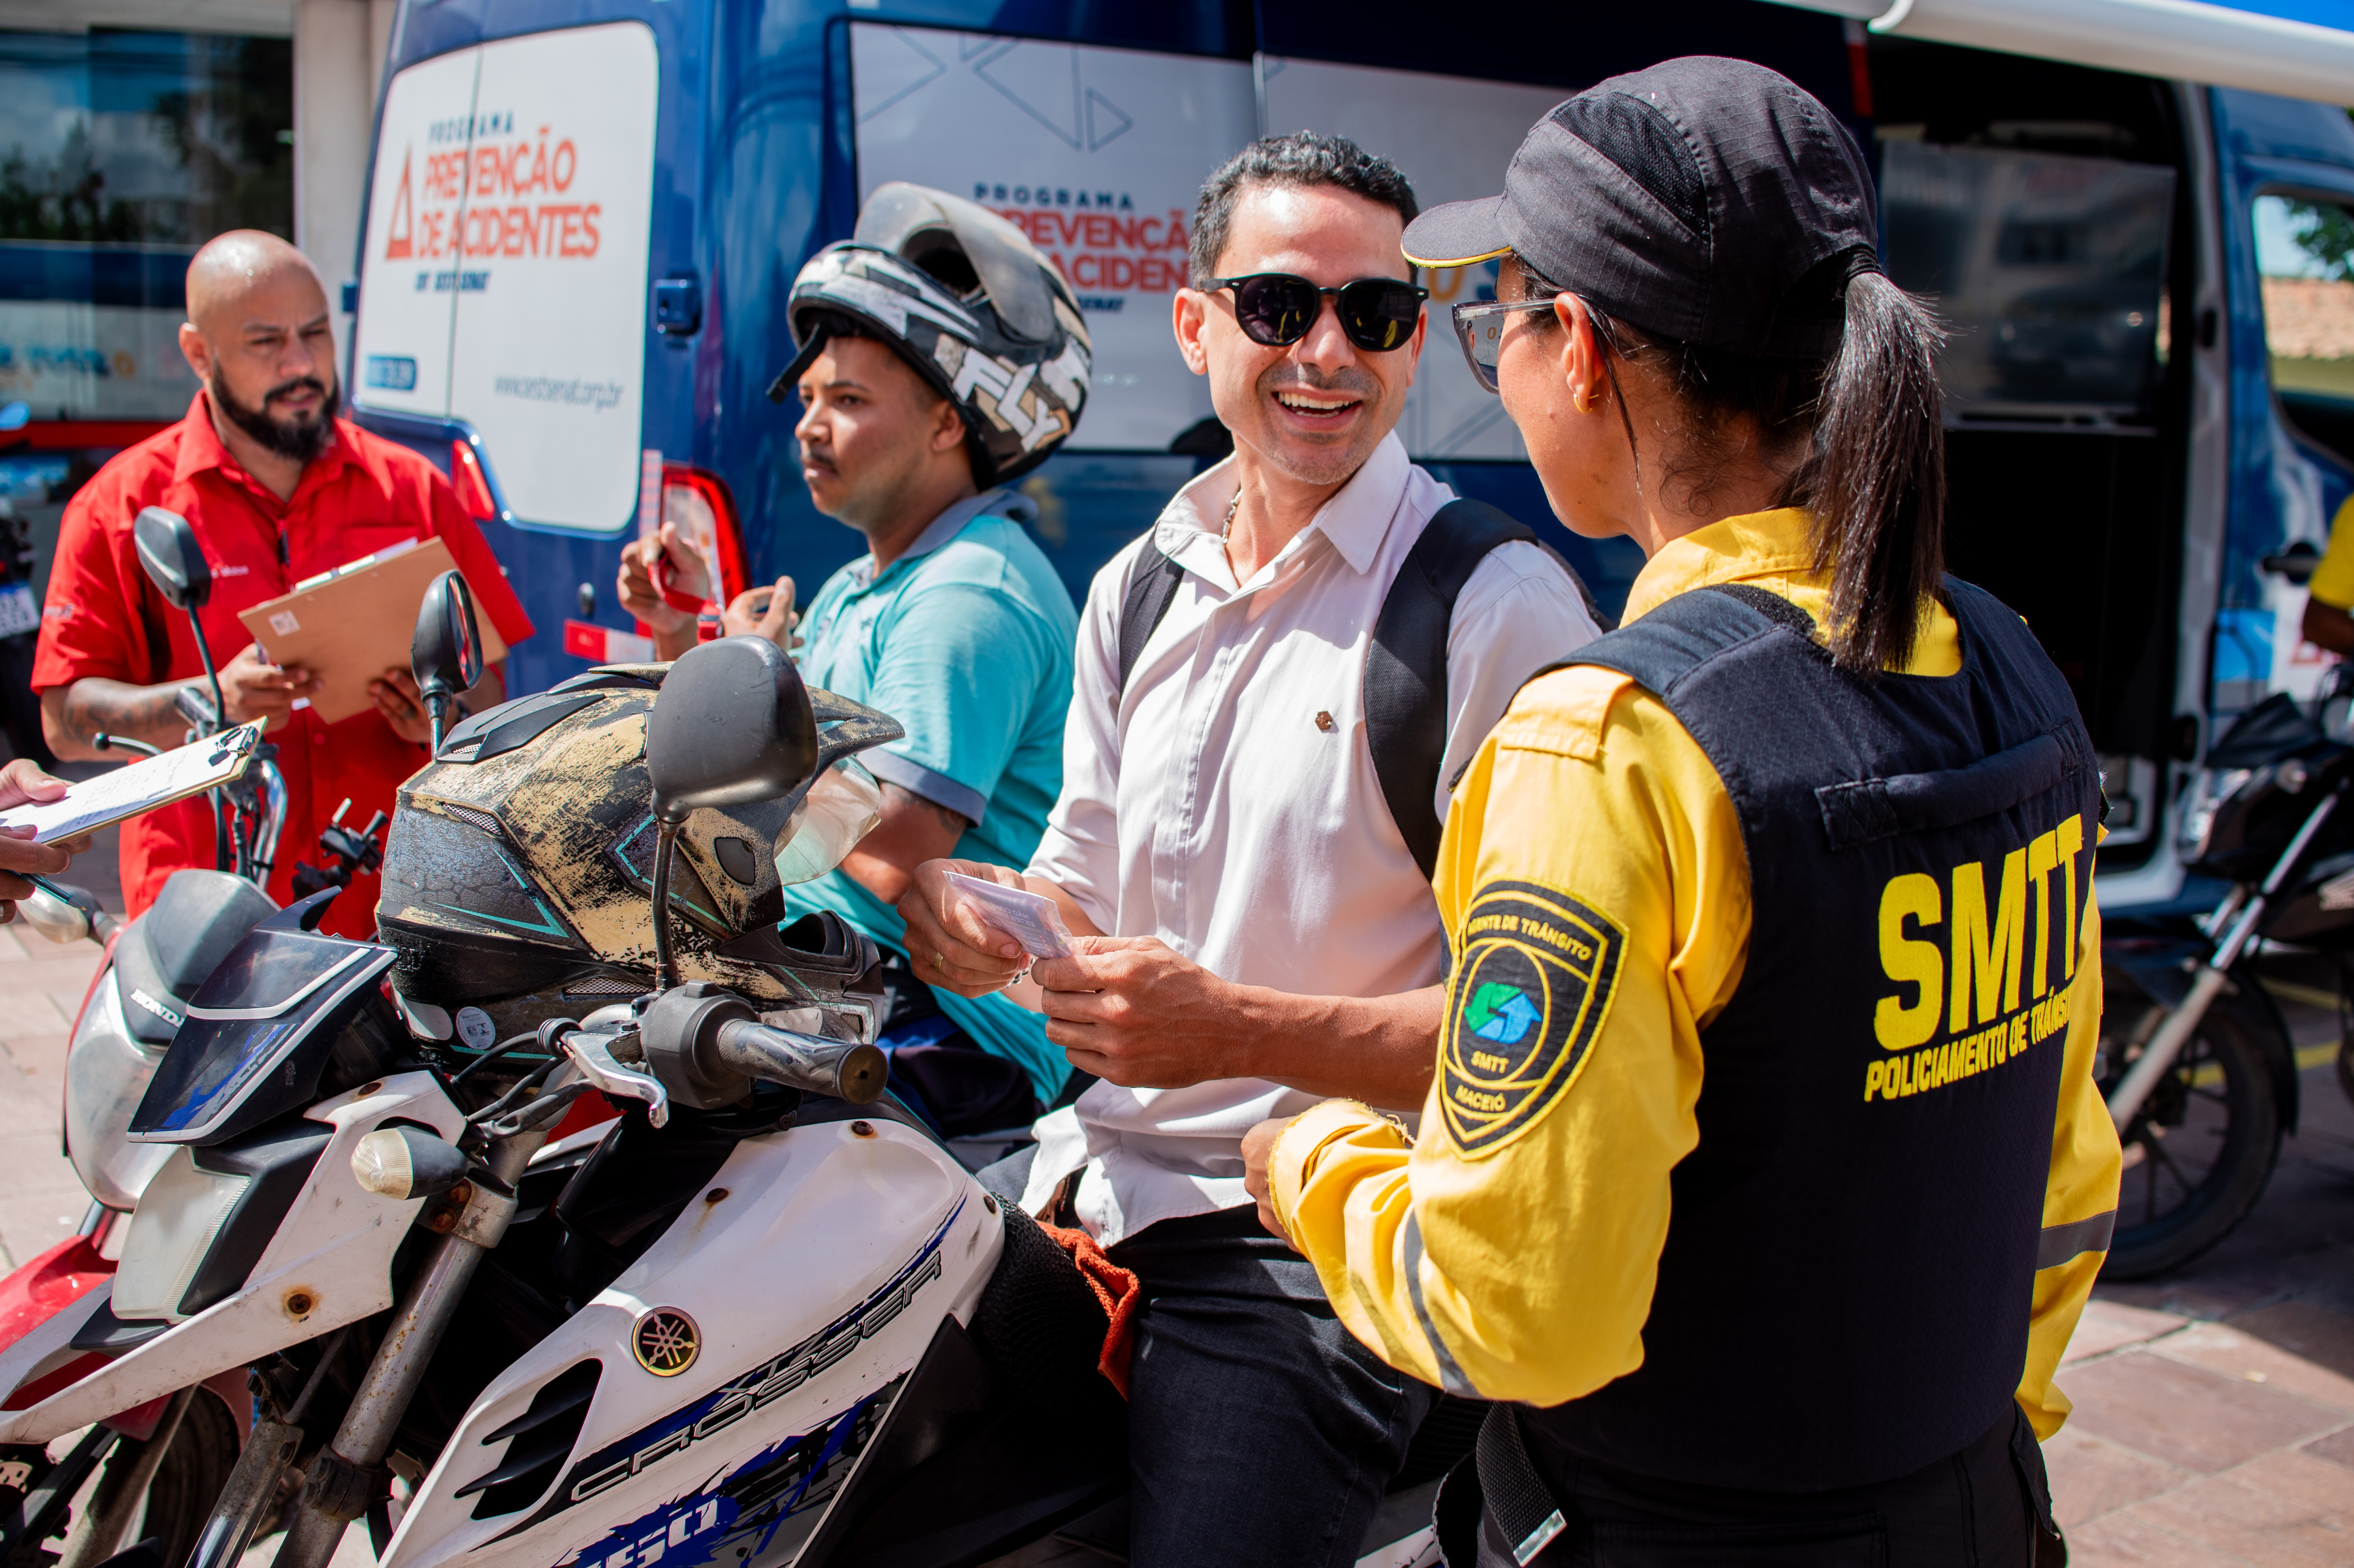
{"x":2201,"y":1147}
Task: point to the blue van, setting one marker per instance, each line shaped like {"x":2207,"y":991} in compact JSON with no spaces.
{"x":584,"y":216}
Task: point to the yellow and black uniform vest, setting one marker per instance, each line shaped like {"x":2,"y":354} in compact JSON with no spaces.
{"x":1890,"y":1234}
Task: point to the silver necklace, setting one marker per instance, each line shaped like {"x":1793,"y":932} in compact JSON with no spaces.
{"x":1232,"y":506}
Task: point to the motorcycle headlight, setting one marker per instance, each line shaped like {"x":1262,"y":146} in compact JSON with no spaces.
{"x":179,"y":1219}
{"x":106,"y":1077}
{"x":2213,"y":788}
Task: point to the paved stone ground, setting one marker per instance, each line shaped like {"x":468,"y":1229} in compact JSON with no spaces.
{"x":2215,"y":1419}
{"x":41,"y":988}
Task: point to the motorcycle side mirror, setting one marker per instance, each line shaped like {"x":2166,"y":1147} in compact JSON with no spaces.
{"x":446,"y":652}
{"x":172,"y":559}
{"x":174,"y":563}
{"x":2296,"y":563}
{"x":732,"y":726}
{"x":61,"y":911}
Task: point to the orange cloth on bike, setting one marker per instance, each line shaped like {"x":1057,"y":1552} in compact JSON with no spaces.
{"x":1119,"y":1291}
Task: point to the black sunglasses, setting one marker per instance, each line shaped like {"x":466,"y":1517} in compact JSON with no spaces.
{"x":1277,"y":308}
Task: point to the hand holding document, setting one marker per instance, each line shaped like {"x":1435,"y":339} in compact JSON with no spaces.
{"x":126,"y":792}
{"x":23,"y":862}
{"x":349,"y":625}
{"x":1025,"y":916}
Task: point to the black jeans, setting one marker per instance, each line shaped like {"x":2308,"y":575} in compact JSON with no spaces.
{"x":939,"y":1072}
{"x":1975,"y":1509}
{"x":1260,"y":1432}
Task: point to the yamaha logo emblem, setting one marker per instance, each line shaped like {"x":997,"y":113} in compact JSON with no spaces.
{"x":666,"y":1341}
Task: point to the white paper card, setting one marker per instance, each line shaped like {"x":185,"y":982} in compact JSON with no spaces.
{"x":1021,"y":914}
{"x":145,"y":785}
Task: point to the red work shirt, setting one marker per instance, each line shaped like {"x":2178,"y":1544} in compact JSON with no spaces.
{"x":104,"y":619}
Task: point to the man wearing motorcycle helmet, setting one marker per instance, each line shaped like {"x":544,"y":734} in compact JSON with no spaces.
{"x":1256,"y":930}
{"x":942,"y":357}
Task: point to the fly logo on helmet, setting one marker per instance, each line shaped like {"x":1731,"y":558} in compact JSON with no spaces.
{"x":966,"y":299}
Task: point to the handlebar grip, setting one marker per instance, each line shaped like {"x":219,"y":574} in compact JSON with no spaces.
{"x":197,"y":708}
{"x":843,"y":1068}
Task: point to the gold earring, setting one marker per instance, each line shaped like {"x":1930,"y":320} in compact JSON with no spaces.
{"x":1588,"y":401}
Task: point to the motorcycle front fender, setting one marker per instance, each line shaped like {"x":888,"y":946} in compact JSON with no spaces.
{"x":328,"y":1263}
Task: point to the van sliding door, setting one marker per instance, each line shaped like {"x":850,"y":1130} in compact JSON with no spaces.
{"x":401,"y":353}
{"x":547,"y":351}
{"x":507,"y":262}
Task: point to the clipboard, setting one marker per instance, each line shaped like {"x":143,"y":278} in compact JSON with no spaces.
{"x":141,"y":786}
{"x":349,"y":625}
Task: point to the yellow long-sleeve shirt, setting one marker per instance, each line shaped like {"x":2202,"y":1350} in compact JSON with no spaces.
{"x":1525,"y":1271}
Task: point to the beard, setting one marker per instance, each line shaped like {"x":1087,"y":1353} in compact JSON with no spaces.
{"x":300,"y":439}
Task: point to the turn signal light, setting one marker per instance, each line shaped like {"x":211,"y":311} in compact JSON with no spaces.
{"x":466,"y":478}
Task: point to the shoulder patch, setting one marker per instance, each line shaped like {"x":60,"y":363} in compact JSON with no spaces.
{"x":1530,"y":991}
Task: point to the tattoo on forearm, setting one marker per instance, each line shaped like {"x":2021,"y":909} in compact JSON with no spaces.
{"x":142,"y":712}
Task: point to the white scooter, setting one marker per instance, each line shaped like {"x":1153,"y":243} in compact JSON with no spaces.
{"x":762,"y":1317}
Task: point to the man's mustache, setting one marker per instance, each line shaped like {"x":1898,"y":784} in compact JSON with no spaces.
{"x":1348,"y":381}
{"x":299,"y":384}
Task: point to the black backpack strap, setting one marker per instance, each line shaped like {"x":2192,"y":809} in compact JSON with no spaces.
{"x":1517,"y":1498}
{"x":1687,"y":631}
{"x":1772,"y":606}
{"x":1152,"y":579}
{"x":1405,"y":667}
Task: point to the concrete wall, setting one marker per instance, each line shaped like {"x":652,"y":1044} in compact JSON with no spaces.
{"x":254,"y":18}
{"x":339,"y":49}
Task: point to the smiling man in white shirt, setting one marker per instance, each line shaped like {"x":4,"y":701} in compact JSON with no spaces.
{"x":1255,"y":929}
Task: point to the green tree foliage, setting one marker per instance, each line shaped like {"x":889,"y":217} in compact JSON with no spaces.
{"x":2324,"y":231}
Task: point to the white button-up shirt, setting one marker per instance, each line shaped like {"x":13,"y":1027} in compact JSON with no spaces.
{"x":1226,"y":802}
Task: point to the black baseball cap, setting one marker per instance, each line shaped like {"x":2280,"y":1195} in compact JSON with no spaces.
{"x":1704,"y":200}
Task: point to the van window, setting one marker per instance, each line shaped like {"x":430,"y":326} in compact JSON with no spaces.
{"x":504,"y":279}
{"x":121,"y":152}
{"x":2049,"y":271}
{"x":2305,"y":248}
{"x":1097,"y":154}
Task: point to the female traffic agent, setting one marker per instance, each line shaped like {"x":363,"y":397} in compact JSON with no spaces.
{"x":1764,"y":1176}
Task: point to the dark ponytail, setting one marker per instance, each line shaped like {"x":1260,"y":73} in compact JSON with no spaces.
{"x":1876,"y":476}
{"x":1869,"y":422}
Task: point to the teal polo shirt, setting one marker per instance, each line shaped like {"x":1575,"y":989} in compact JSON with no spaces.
{"x":965,"y":640}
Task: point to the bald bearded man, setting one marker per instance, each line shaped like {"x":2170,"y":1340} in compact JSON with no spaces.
{"x":278,"y":489}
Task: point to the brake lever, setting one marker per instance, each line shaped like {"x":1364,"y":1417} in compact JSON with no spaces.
{"x":596,"y":1056}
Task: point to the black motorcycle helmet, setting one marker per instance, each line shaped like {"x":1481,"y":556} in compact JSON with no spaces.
{"x":518,"y":871}
{"x":965,"y":298}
